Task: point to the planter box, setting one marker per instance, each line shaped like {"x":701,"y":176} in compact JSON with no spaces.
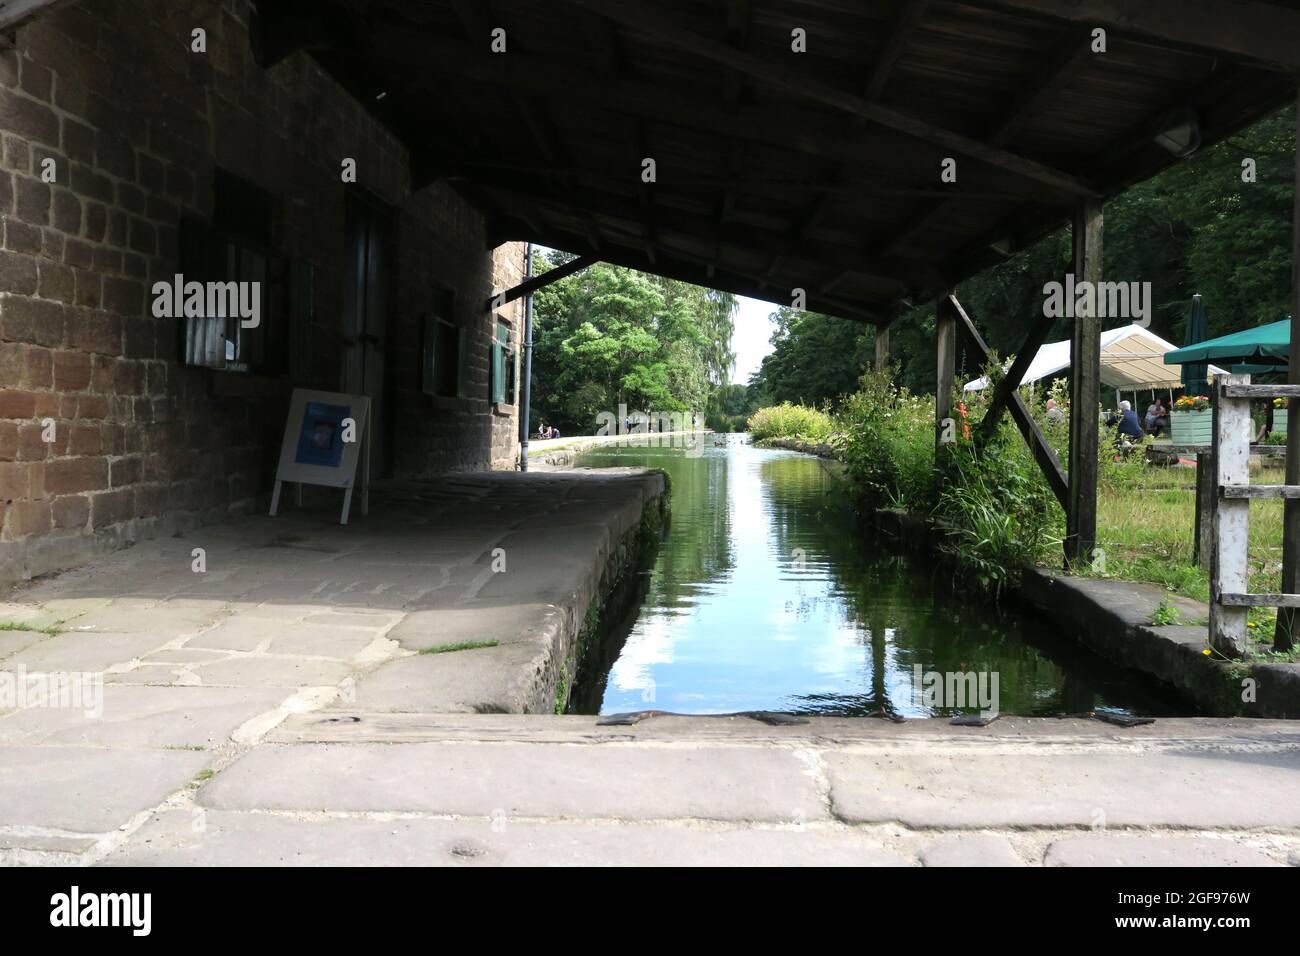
{"x":1191,"y":428}
{"x":1279,"y":420}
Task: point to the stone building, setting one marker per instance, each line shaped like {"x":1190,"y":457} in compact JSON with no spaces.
{"x":140,"y":141}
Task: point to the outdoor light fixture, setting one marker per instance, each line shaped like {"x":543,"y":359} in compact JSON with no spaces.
{"x":1182,"y":135}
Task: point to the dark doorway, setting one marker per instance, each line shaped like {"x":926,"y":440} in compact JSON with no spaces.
{"x":370,"y":235}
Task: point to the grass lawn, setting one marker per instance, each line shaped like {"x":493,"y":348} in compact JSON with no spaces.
{"x":1145,"y":533}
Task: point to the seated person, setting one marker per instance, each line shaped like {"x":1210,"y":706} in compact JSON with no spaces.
{"x":1126,"y":423}
{"x":1157,"y":418}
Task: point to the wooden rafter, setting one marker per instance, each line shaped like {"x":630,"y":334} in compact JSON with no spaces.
{"x":674,"y":264}
{"x":740,"y":235}
{"x":1063,"y":63}
{"x":668,"y":30}
{"x":1254,"y":32}
{"x":540,"y":281}
{"x":909,"y":18}
{"x":568,"y":87}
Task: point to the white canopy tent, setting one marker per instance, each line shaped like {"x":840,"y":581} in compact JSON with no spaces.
{"x":1130,"y":362}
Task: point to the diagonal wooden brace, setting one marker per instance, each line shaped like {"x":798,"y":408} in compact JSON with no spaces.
{"x":1042,"y":451}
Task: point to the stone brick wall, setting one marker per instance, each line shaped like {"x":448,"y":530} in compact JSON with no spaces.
{"x":136,"y":123}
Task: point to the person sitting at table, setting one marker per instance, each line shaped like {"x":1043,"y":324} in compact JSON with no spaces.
{"x":1126,"y":424}
{"x":1157,"y":420}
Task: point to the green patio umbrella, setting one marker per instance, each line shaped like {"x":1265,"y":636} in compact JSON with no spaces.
{"x":1195,"y":333}
{"x":1265,"y":346}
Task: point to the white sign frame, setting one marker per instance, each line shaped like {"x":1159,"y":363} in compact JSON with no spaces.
{"x":341,"y":475}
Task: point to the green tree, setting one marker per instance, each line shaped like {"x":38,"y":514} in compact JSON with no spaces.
{"x":815,"y":358}
{"x":609,"y":336}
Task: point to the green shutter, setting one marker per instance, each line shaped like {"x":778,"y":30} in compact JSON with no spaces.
{"x":498,"y":374}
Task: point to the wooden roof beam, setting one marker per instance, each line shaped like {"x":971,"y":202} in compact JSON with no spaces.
{"x":634,"y":138}
{"x":740,"y":235}
{"x":684,"y":268}
{"x":667,"y":29}
{"x":1064,"y":62}
{"x":1248,"y":30}
{"x":573,"y":88}
{"x":1053,"y":73}
{"x":739,"y":15}
{"x":540,"y":281}
{"x":909,"y":18}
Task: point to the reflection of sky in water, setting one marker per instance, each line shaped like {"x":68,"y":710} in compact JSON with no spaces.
{"x":761,"y":599}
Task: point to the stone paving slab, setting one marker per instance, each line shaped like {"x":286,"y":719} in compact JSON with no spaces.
{"x":971,"y":849}
{"x":420,"y":630}
{"x":317,"y":640}
{"x":1116,"y":849}
{"x":88,"y":789}
{"x":143,"y":717}
{"x":477,"y":680}
{"x":530,"y":780}
{"x":266,"y":671}
{"x":1194,"y":789}
{"x":223,"y":838}
{"x":11,"y":642}
{"x":84,"y":652}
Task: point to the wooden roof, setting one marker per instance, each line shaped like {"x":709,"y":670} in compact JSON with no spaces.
{"x":778,"y":170}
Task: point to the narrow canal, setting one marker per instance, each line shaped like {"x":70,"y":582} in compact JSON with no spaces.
{"x":763,"y":597}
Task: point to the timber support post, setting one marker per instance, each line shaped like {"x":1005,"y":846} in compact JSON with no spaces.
{"x":1085,"y":392}
{"x":1202,"y":538}
{"x":1229,"y":563}
{"x":1284,"y":632}
{"x":882,"y":347}
{"x":945,"y":341}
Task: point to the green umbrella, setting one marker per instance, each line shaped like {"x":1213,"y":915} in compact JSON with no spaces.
{"x":1194,"y":334}
{"x":1265,"y":345}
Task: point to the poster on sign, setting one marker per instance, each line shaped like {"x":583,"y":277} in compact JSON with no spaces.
{"x":324,"y":443}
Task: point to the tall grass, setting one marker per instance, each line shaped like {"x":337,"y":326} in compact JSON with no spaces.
{"x":791,"y":421}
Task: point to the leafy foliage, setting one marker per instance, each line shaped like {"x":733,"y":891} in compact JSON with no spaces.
{"x":610,"y":336}
{"x":885,"y":437}
{"x":791,"y":421}
{"x":1196,"y":227}
{"x":816,"y":359}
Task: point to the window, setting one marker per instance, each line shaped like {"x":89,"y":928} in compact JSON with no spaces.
{"x":241,"y":280}
{"x":444,"y":346}
{"x":502,"y":366}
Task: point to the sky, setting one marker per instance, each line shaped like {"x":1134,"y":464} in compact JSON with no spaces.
{"x":750,"y":338}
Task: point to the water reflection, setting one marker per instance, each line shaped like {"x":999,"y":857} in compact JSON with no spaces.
{"x":763,"y":597}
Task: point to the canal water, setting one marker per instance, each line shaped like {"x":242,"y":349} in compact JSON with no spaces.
{"x":764,"y":597}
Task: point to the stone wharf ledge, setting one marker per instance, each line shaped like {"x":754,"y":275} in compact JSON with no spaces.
{"x":1113,"y":619}
{"x":567,"y":570}
{"x":461,"y":593}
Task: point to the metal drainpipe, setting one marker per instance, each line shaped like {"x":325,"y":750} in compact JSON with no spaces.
{"x":525,"y":393}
